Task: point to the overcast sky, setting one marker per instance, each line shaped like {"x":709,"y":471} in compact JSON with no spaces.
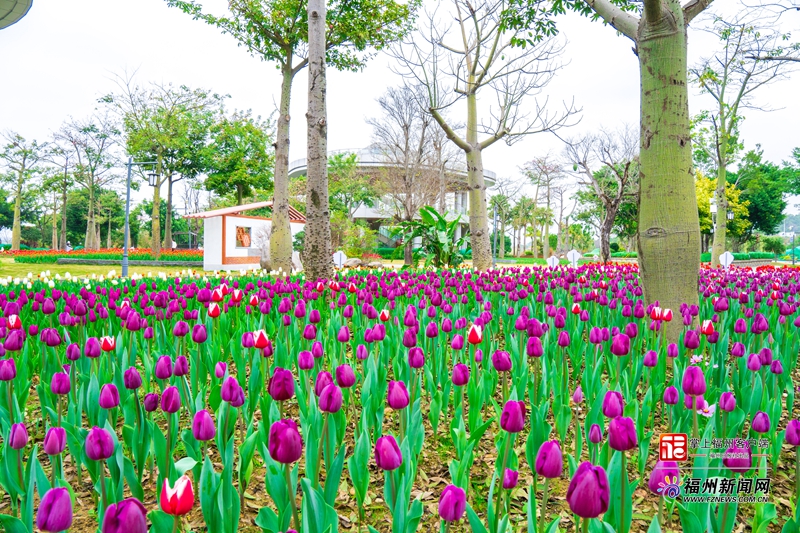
{"x":62,"y":56}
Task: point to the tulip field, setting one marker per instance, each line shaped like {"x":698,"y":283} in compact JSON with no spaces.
{"x":529,"y":400}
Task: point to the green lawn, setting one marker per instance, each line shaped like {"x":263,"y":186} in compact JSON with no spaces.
{"x":20,"y":270}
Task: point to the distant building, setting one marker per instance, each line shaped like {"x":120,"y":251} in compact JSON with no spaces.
{"x":382,"y":215}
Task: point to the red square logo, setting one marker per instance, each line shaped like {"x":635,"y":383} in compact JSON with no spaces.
{"x":673,"y":447}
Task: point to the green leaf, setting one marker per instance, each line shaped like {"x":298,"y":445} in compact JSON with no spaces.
{"x":689,"y":521}
{"x":12,"y":525}
{"x":161,"y":521}
{"x":474,"y":522}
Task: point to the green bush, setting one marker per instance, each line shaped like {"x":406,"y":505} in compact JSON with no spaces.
{"x":627,"y":255}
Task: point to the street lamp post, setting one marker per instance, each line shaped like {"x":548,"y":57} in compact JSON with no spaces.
{"x":130,"y":164}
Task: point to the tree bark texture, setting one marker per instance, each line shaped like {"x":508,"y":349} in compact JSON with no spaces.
{"x":280,"y":243}
{"x":721,"y":224}
{"x":501,"y":250}
{"x":16,"y":228}
{"x":168,"y":221}
{"x":155,"y":226}
{"x":478,"y":216}
{"x":318,"y":259}
{"x":546,"y":228}
{"x":63,"y":243}
{"x":669,"y":230}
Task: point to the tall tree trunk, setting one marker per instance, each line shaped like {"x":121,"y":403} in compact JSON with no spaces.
{"x":408,"y":252}
{"x":63,"y":244}
{"x":108,"y":234}
{"x":91,"y":232}
{"x":605,"y":234}
{"x":168,"y":221}
{"x":239,"y":195}
{"x":669,"y":229}
{"x":478,"y":218}
{"x":501,"y":251}
{"x":317,"y":260}
{"x":721,"y":225}
{"x":16,"y":227}
{"x":97,"y":236}
{"x":54,"y":238}
{"x":442,"y":188}
{"x":280,"y":242}
{"x":155,"y":224}
{"x":546,"y":228}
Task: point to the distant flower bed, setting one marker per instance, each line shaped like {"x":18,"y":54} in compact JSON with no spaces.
{"x":143,"y":254}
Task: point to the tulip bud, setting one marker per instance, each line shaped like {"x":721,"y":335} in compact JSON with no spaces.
{"x":181,"y":367}
{"x":330,"y":400}
{"x":170,"y":400}
{"x":588,"y":493}
{"x":662,"y":470}
{"x":285,"y":444}
{"x":738,"y":460}
{"x":220,"y":369}
{"x":753,"y":362}
{"x":345,"y":377}
{"x":549,"y":460}
{"x":622,"y":434}
{"x":178,"y":500}
{"x":595,"y":434}
{"x":691,"y":340}
{"x":150,"y":402}
{"x":203,"y":426}
{"x":460,"y":375}
{"x":563,"y":339}
{"x":727,"y":402}
{"x":55,"y":440}
{"x":316,"y":350}
{"x":60,"y":384}
{"x":760,"y":422}
{"x":322,"y":381}
{"x":612,"y":404}
{"x":501,"y":361}
{"x":621,"y":345}
{"x":164,"y":367}
{"x":416,"y":357}
{"x":510,"y":478}
{"x":18,"y":436}
{"x":793,"y":433}
{"x":132,"y":379}
{"x":397,"y":395}
{"x":577,"y":396}
{"x":305,"y":361}
{"x":513,"y":416}
{"x":54,"y":513}
{"x":109,"y":396}
{"x":387,"y":453}
{"x":99,"y":445}
{"x":694,"y":381}
{"x":452,"y":503}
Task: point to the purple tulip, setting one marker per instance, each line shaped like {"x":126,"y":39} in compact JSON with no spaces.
{"x":662,"y":470}
{"x":54,"y":513}
{"x":622,"y":434}
{"x":345,"y":377}
{"x":285,"y":444}
{"x":672,"y":350}
{"x":510,"y":478}
{"x":387,"y":453}
{"x":588,"y":493}
{"x":59,"y":383}
{"x":595,"y":434}
{"x":150,"y":402}
{"x":171,"y":400}
{"x":220,"y":369}
{"x":727,"y":402}
{"x":754,"y":362}
{"x":452,"y":503}
{"x":55,"y":440}
{"x":181,"y":367}
{"x":92,"y":348}
{"x":99,"y":445}
{"x":563,"y":339}
{"x":305,"y":361}
{"x":127,"y":516}
{"x":416,"y":357}
{"x":650,"y":359}
{"x":612,"y":404}
{"x":397,"y":395}
{"x":694,"y":381}
{"x":793,"y":433}
{"x":501,"y":361}
{"x":203,"y":426}
{"x":330,"y":400}
{"x":670,"y":395}
{"x":760,"y":422}
{"x":18,"y":436}
{"x":738,"y":460}
{"x":199,"y":334}
{"x":132,"y":379}
{"x":164,"y":367}
{"x":513,"y":416}
{"x":549,"y":460}
{"x":691,"y":340}
{"x":322,"y":381}
{"x":109,"y":396}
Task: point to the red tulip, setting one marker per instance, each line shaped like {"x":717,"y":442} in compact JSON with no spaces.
{"x":260,"y":339}
{"x":214,"y":310}
{"x":179,"y":500}
{"x":384,"y":316}
{"x":108,"y":344}
{"x":475,"y":334}
{"x":14,"y":322}
{"x":707,"y":328}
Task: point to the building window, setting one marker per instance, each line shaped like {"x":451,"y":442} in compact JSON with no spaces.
{"x":243,"y":237}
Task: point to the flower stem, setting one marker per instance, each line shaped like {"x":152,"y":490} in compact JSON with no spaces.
{"x":585,"y":526}
{"x":322,"y":441}
{"x":624,"y":478}
{"x":175,"y":523}
{"x":694,"y":417}
{"x":508,"y":445}
{"x":544,"y":504}
{"x":291,"y":492}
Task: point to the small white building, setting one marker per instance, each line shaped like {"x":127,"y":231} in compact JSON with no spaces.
{"x":233,"y":241}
